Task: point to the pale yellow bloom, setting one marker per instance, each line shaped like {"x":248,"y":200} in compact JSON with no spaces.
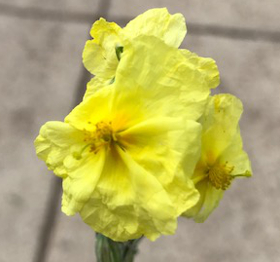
{"x":120,"y":152}
{"x":108,"y":35}
{"x":102,"y":54}
{"x":120,"y":164}
{"x":222,"y":155}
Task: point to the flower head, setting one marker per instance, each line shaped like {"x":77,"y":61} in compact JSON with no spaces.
{"x":120,"y":164}
{"x":222,"y":156}
{"x":120,"y":151}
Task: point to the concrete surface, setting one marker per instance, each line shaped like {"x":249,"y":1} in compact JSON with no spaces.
{"x":40,"y":65}
{"x":55,"y":5}
{"x":231,"y":13}
{"x":40,"y":76}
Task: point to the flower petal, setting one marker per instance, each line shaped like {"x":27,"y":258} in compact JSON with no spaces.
{"x":55,"y":141}
{"x":161,"y":144}
{"x":206,"y":66}
{"x":166,"y":79}
{"x":236,"y":157}
{"x":99,"y":56}
{"x":208,"y":201}
{"x":159,"y":23}
{"x":78,"y":187}
{"x":220,"y":123}
{"x":129,"y":202}
{"x":120,"y":195}
{"x":93,"y":110}
{"x":94,"y":85}
{"x":202,"y":188}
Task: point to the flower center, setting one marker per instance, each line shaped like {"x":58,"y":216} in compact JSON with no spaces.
{"x":104,"y":132}
{"x":219,"y":175}
{"x":102,"y":136}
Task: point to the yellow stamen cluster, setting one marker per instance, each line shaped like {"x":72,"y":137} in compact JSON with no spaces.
{"x":104,"y":132}
{"x":102,"y":136}
{"x":219,"y":175}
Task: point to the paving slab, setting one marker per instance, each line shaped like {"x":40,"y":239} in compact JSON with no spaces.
{"x":252,"y":14}
{"x":72,"y":241}
{"x":40,"y":66}
{"x":245,"y":227}
{"x":55,"y":5}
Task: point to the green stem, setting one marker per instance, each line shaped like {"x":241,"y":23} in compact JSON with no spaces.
{"x":108,"y":250}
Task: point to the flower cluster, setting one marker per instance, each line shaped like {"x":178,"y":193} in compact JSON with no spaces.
{"x":148,"y":143}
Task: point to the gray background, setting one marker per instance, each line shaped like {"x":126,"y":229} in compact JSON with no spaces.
{"x":42,"y":78}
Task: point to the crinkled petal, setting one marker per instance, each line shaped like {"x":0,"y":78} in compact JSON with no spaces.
{"x":212,"y":200}
{"x":95,"y":62}
{"x":81,"y":181}
{"x":127,"y":191}
{"x":209,"y":200}
{"x":236,"y":157}
{"x":220,"y":123}
{"x":202,"y":188}
{"x":109,"y":104}
{"x":159,"y":23}
{"x":167,"y":78}
{"x":99,"y":55}
{"x":206,"y":66}
{"x":93,"y":110}
{"x":55,"y":141}
{"x":160,"y":145}
{"x":134,"y":201}
{"x":94,"y":85}
{"x":101,"y":27}
{"x":153,"y":198}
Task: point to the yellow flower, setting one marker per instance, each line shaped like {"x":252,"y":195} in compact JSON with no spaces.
{"x":102,"y":54}
{"x":119,"y":158}
{"x":120,"y":152}
{"x":222,"y":155}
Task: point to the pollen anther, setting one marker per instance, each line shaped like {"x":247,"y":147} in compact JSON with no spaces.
{"x":102,"y":136}
{"x":219,"y":175}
